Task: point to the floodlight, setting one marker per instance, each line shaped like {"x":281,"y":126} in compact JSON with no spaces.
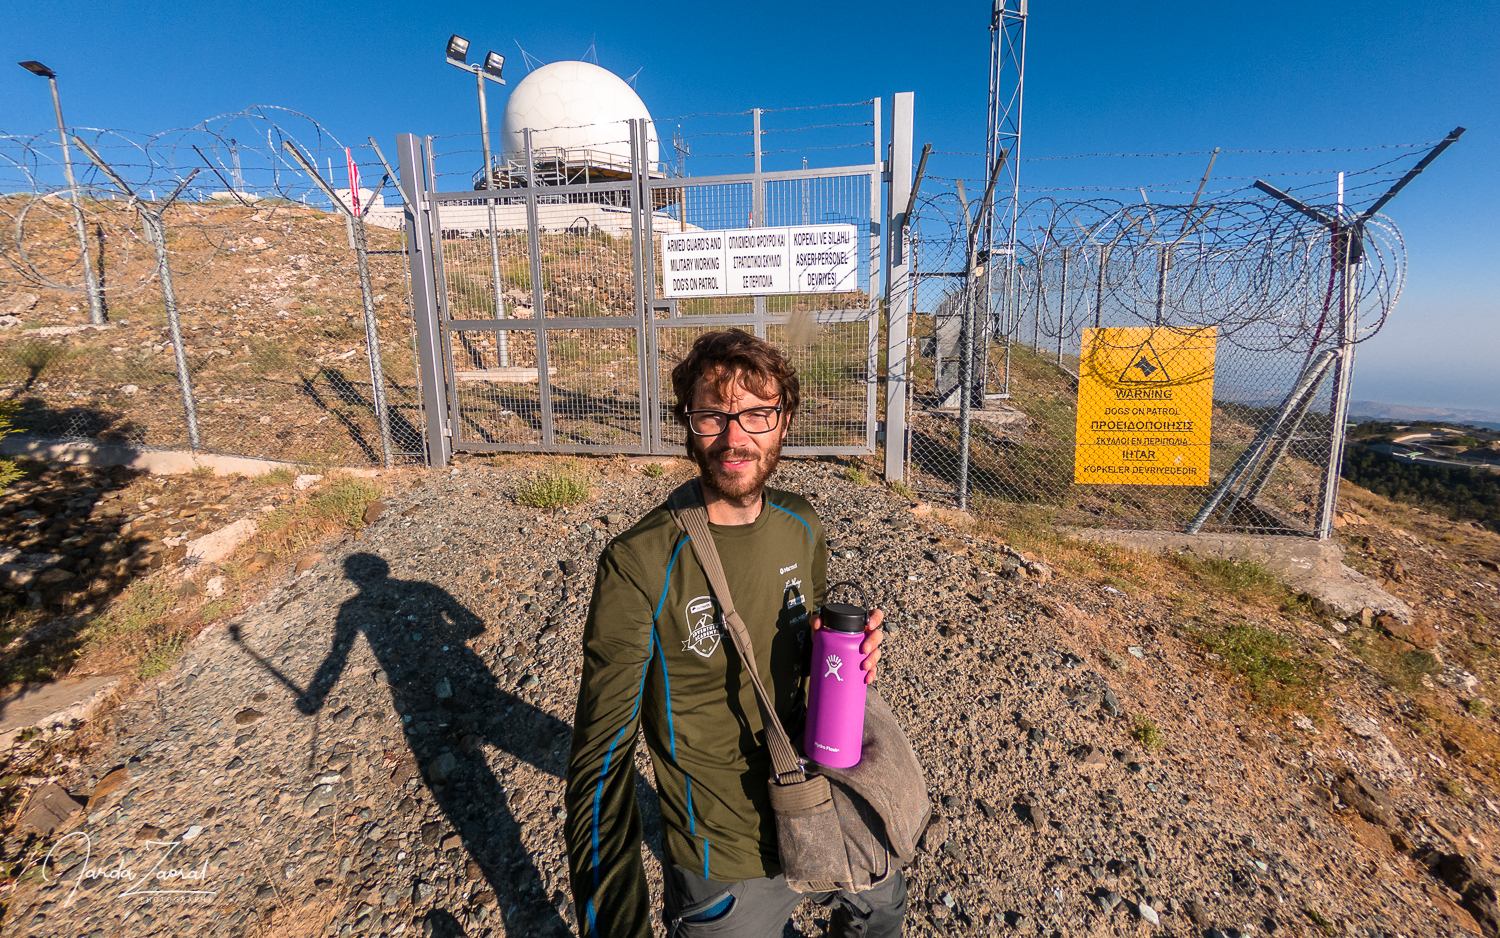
{"x":458,"y":49}
{"x":493,"y":63}
{"x":40,"y":70}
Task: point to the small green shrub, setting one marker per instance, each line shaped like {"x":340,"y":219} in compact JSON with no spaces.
{"x":468,"y":296}
{"x":160,"y":656}
{"x":1324,"y":925}
{"x":552,"y":490}
{"x":1455,"y":790}
{"x":143,"y":606}
{"x":270,"y":358}
{"x":36,"y":357}
{"x":1143,"y":730}
{"x":296,"y":526}
{"x":344,"y":502}
{"x":1275,"y":677}
{"x":1243,"y":579}
{"x":654,"y":470}
{"x":1476,"y":706}
{"x":9,"y":471}
{"x":275,"y":477}
{"x":1411,"y":666}
{"x":856,"y":475}
{"x":904,"y":490}
{"x":517,"y":274}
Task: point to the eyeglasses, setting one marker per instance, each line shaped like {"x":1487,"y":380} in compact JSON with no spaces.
{"x":714,"y":422}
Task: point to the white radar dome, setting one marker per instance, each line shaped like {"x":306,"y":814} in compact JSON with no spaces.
{"x":576,"y":107}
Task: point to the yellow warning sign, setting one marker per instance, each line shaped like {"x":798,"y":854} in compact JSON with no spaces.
{"x":1145,"y":406}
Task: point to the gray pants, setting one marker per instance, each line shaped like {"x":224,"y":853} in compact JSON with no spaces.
{"x":760,"y":908}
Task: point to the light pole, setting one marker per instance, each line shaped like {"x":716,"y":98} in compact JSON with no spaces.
{"x":90,"y":280}
{"x":494,"y":62}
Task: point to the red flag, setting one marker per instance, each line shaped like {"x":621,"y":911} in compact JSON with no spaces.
{"x":353,"y":182}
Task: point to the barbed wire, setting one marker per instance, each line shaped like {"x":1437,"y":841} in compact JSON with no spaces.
{"x":245,"y":179}
{"x":1256,"y":270}
{"x":1221,"y":152}
{"x":766,"y":110}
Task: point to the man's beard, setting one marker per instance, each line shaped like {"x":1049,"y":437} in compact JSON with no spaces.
{"x":730,"y":487}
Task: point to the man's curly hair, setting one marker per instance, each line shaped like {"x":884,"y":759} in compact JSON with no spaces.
{"x":735,"y":356}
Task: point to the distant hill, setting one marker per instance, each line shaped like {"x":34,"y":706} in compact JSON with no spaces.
{"x":1374,"y":410}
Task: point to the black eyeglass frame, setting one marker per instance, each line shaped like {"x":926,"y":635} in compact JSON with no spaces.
{"x":735,"y":418}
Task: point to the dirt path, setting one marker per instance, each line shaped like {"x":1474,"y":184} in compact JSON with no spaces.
{"x":377,"y":748}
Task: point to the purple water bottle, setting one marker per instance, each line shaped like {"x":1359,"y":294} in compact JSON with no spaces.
{"x":836,"y":691}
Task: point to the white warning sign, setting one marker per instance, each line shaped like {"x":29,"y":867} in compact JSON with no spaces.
{"x":756,"y":259}
{"x":693,"y":263}
{"x":761,"y":261}
{"x":825,"y":259}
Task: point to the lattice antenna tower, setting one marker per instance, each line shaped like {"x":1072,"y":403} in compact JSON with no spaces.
{"x":1007,"y":83}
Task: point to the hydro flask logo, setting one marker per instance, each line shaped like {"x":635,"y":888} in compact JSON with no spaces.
{"x":834,"y":662}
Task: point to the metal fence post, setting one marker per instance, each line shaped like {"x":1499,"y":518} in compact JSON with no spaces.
{"x":1163,"y":261}
{"x":538,"y":291}
{"x":174,"y":323}
{"x":430,"y":372}
{"x":1062,"y":307}
{"x":1099,"y":288}
{"x":1036,"y":324}
{"x":1343,"y":381}
{"x":156,"y":233}
{"x":642,"y":205}
{"x":758,"y":218}
{"x":872,"y":289}
{"x":362,"y":263}
{"x":372,"y":344}
{"x":897,"y":286}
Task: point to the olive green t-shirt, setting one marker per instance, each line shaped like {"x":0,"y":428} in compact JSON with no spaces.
{"x":656,"y":655}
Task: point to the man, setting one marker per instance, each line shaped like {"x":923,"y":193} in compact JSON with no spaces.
{"x":655,"y":654}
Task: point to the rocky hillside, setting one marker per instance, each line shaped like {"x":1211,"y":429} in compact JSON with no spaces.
{"x":273,"y":328}
{"x":1116,"y":743}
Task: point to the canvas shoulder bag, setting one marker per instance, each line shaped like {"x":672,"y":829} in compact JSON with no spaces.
{"x":835,"y":828}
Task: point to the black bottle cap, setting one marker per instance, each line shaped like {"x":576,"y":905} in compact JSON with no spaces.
{"x":844,"y":617}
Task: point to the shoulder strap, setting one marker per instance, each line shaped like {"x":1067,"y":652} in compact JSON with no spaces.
{"x":690,"y":514}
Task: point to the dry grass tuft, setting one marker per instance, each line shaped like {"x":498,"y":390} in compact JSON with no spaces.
{"x":1274,"y":671}
{"x":338,"y":506}
{"x":553,"y":490}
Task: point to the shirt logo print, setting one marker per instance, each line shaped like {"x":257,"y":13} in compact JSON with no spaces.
{"x":703,"y":625}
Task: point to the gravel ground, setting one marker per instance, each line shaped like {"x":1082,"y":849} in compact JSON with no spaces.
{"x":377,"y":748}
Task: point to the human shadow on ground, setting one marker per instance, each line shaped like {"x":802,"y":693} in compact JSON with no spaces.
{"x":451,"y":706}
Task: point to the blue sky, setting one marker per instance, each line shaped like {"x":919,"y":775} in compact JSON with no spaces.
{"x":1102,"y":77}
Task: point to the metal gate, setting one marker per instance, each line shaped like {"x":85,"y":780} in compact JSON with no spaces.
{"x":541,"y":324}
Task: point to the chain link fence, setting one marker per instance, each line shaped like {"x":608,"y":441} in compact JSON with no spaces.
{"x":1140,"y":365}
{"x":567,"y":232}
{"x":266,"y":294}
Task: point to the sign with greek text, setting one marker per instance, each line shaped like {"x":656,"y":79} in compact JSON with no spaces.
{"x":1145,"y":406}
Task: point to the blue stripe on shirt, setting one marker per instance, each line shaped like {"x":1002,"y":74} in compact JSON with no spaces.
{"x":793,"y":514}
{"x":667,"y":686}
{"x":603,"y":772}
